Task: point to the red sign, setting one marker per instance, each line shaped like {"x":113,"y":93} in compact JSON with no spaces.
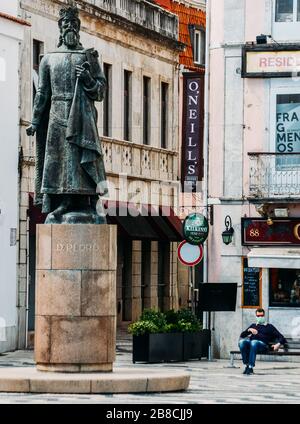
{"x":190,"y":254}
{"x":283,"y":232}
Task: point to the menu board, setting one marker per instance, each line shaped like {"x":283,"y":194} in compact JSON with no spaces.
{"x":251,"y":286}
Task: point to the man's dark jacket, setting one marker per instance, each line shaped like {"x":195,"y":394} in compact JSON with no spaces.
{"x":267,"y":333}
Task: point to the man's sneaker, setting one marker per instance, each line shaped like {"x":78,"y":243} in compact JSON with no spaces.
{"x":249,"y":371}
{"x":246,"y":370}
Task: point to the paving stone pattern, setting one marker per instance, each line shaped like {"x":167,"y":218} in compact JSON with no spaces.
{"x":211,"y":383}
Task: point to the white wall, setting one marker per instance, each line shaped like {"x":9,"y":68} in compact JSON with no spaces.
{"x":9,"y":140}
{"x":239,"y":123}
{"x":9,"y":6}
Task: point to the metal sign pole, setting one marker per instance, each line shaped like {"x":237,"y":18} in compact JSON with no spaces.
{"x":193,"y":288}
{"x":190,"y":274}
{"x":209,"y":327}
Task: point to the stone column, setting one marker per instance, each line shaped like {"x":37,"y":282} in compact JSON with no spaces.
{"x":154,"y":275}
{"x":183,"y":285}
{"x":136,"y":279}
{"x":174,"y":276}
{"x":76,"y":297}
{"x":171,"y":289}
{"x":146,"y":272}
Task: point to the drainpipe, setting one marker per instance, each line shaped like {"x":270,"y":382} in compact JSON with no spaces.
{"x":27,"y":283}
{"x":206,"y":143}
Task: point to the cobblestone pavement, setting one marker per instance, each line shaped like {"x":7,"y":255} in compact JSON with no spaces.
{"x":211,"y":383}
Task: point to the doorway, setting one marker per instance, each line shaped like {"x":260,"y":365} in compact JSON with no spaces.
{"x":125,"y":276}
{"x":146,"y":275}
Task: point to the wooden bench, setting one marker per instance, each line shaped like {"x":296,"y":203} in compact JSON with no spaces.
{"x":292,"y":348}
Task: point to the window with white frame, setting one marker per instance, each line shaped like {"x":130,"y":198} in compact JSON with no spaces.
{"x":288,"y":123}
{"x":286,"y":22}
{"x":199,"y":47}
{"x":287,"y":10}
{"x":284,"y":11}
{"x":107,"y":103}
{"x":37,"y":52}
{"x":285,"y":130}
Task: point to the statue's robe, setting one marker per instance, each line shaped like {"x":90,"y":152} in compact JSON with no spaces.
{"x":69,"y":158}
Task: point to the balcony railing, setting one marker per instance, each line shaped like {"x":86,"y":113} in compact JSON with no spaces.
{"x":143,"y":13}
{"x":274,"y":175}
{"x":139,"y":161}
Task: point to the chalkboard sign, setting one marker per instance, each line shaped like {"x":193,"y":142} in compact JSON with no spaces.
{"x":251,"y":293}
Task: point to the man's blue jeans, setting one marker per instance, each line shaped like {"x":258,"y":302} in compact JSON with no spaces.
{"x":249,"y":349}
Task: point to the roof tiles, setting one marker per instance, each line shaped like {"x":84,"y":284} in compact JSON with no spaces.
{"x":187,"y":16}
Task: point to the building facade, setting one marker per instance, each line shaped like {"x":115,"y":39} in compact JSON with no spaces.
{"x":192,"y":27}
{"x":138,"y":123}
{"x":11,"y":36}
{"x":254,"y":162}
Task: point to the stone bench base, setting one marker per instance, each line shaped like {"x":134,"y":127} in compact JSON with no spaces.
{"x":75,"y":368}
{"x":122,"y":380}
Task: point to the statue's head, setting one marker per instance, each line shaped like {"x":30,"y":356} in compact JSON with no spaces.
{"x":69,"y":25}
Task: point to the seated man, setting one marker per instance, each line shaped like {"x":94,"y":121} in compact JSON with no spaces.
{"x":256,"y":339}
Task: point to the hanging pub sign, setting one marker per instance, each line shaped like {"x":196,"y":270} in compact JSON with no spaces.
{"x":270,"y":60}
{"x":195,"y":228}
{"x":192,"y":131}
{"x":281,"y":232}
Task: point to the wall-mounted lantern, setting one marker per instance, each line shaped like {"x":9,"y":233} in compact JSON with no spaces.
{"x":228,"y":233}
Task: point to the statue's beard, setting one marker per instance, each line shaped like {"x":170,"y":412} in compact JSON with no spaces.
{"x":70,"y":38}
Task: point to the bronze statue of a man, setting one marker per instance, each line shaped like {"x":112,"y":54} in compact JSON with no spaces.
{"x":70,"y":172}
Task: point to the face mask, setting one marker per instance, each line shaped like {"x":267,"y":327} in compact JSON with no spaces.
{"x":260,"y":320}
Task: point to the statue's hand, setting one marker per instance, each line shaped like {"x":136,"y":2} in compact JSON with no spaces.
{"x":83,"y":73}
{"x":31,"y":129}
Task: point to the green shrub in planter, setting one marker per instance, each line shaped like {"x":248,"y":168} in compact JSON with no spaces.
{"x":152,"y":321}
{"x":140,"y":328}
{"x":161,"y":336}
{"x":182,"y":320}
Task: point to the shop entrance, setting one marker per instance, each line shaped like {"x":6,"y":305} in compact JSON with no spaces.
{"x":284,"y":287}
{"x":124,"y":276}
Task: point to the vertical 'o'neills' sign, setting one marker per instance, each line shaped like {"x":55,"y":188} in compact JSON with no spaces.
{"x":192,"y":130}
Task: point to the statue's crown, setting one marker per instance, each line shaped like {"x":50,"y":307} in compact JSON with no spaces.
{"x":70,"y":12}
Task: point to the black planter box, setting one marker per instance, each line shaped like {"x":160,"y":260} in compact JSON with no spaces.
{"x":167,"y":347}
{"x":195,"y":345}
{"x":158,"y":347}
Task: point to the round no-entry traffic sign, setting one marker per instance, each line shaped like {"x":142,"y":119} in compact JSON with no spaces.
{"x":190,"y":254}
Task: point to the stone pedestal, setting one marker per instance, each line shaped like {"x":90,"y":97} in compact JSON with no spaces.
{"x":75,"y":327}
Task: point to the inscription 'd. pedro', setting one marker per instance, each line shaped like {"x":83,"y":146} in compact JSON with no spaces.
{"x":77,"y":247}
